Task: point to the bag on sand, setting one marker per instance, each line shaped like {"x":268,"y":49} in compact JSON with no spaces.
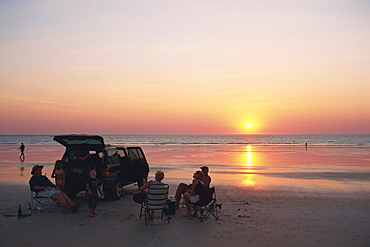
{"x":139,"y":197}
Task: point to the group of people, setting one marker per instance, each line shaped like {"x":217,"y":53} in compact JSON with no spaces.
{"x":45,"y":188}
{"x":191,"y":193}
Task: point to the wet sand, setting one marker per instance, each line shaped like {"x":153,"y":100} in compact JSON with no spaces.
{"x":271,"y":196}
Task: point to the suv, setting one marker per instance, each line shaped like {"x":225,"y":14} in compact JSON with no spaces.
{"x":115,"y":166}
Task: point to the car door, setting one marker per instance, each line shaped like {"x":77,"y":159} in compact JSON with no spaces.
{"x":139,"y":164}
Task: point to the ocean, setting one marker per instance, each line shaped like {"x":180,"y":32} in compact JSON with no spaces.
{"x":172,"y":139}
{"x":334,"y":162}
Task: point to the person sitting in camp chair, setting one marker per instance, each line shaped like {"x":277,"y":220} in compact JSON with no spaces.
{"x":206,"y":178}
{"x":182,"y":188}
{"x":197,"y":190}
{"x":45,"y":188}
{"x":159,"y":175}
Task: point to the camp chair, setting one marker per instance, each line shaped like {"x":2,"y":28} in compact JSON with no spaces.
{"x":42,"y":203}
{"x":206,"y":205}
{"x":156,"y":199}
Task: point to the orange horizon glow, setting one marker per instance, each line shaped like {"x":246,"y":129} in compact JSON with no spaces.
{"x":189,"y":68}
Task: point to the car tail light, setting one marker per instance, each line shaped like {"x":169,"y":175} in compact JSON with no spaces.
{"x":105,"y":172}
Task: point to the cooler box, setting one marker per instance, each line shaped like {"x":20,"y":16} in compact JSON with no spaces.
{"x":172,"y":206}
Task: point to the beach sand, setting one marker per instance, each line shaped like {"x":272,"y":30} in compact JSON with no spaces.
{"x":271,"y":196}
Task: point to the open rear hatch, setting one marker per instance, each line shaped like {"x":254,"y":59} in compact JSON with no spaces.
{"x":80,"y":141}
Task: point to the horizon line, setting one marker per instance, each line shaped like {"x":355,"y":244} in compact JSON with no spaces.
{"x":2,"y":134}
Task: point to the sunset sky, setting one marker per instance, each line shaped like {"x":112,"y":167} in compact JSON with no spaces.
{"x":122,"y":67}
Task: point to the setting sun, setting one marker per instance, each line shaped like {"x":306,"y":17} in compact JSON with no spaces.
{"x":199,"y":82}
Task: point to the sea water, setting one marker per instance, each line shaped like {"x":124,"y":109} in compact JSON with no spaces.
{"x":328,"y":161}
{"x":172,"y":139}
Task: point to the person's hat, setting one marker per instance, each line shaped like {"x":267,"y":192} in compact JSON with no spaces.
{"x":204,"y":167}
{"x":35,"y":167}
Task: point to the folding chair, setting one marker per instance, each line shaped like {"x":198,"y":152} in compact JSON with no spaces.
{"x":207,"y":205}
{"x":156,"y":199}
{"x":42,"y":203}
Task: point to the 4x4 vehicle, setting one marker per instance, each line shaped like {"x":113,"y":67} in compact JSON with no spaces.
{"x":115,"y":166}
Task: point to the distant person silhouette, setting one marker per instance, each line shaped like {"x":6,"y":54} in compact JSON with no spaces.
{"x":22,"y":147}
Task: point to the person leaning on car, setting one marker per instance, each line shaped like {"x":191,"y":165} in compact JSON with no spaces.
{"x":44,"y":187}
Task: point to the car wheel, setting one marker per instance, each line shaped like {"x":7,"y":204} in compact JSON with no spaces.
{"x":116,"y":191}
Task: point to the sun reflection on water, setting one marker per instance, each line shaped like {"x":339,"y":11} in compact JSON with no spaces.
{"x":249,"y":155}
{"x":248,"y":178}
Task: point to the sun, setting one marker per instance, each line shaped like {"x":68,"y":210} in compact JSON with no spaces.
{"x":248,"y":126}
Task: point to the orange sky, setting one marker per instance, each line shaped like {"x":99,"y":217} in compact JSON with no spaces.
{"x":185,"y":67}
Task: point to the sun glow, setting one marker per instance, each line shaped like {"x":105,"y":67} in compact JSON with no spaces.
{"x":248,"y":125}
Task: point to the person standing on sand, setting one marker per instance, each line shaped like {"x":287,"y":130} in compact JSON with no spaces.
{"x":22,"y":147}
{"x":59,"y":174}
{"x":92,"y":188}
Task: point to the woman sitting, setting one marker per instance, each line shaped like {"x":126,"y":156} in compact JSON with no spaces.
{"x":197,"y":189}
{"x":159,"y":175}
